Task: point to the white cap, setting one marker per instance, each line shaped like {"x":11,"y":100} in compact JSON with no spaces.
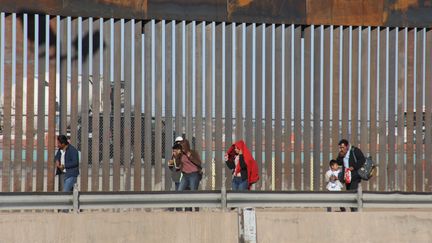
{"x":178,"y":139}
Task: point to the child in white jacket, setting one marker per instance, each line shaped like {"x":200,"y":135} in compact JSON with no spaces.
{"x":332,"y":177}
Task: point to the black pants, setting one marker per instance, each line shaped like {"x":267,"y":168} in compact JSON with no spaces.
{"x":353,"y":186}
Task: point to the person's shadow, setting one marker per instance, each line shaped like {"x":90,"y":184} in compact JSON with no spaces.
{"x":42,"y":31}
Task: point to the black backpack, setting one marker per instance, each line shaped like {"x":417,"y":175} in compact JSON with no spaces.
{"x":367,"y":171}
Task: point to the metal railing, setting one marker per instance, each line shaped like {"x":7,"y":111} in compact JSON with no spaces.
{"x":213,"y":199}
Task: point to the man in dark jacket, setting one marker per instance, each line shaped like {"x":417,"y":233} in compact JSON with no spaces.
{"x":67,"y":164}
{"x":352,"y":158}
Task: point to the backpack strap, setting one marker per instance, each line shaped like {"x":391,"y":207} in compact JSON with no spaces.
{"x":355,"y":158}
{"x":191,"y":160}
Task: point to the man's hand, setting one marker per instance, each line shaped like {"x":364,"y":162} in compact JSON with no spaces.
{"x":351,"y":168}
{"x":59,"y":166}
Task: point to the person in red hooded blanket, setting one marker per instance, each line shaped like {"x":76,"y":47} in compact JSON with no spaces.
{"x":244,"y":167}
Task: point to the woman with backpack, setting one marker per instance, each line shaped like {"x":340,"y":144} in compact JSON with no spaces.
{"x":244,"y":168}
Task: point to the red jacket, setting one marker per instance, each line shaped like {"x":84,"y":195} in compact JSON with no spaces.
{"x":252,"y":166}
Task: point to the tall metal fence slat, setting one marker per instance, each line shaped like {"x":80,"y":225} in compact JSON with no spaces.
{"x":428,"y":113}
{"x":391,"y":108}
{"x":268,"y":65}
{"x":106,"y":105}
{"x":148,"y":106}
{"x":51,"y":60}
{"x":169,"y":83}
{"x":83,"y":53}
{"x":189,"y":57}
{"x":410,"y":110}
{"x":418,"y":116}
{"x":229,"y":97}
{"x":158,"y":106}
{"x":316,"y":113}
{"x":307,"y":96}
{"x":116,"y":101}
{"x":298,"y":128}
{"x":288,"y":71}
{"x":137,"y":58}
{"x":345,"y":68}
{"x":29,"y":105}
{"x":335,"y":81}
{"x":326,"y":47}
{"x":127,"y":94}
{"x":354,"y":85}
{"x":178,"y":67}
{"x":40,"y":80}
{"x":17,"y":34}
{"x":208,"y":108}
{"x":95,"y":78}
{"x":218,"y":105}
{"x":277,"y":170}
{"x":248,"y":95}
{"x":6,"y":79}
{"x":382,"y":108}
{"x":259,"y":83}
{"x":364,"y":86}
{"x":199,"y":82}
{"x":373,"y":101}
{"x":401,"y":57}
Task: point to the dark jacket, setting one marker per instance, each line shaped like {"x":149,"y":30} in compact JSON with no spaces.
{"x":243,"y":167}
{"x":71,"y":162}
{"x":355,"y":153}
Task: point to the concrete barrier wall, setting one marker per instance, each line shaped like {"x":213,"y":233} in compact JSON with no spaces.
{"x":217,"y":227}
{"x":119,"y":227}
{"x":365,"y":227}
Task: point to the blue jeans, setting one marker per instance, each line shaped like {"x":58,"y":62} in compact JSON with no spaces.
{"x":238,"y":184}
{"x":190,"y":180}
{"x":69,"y":184}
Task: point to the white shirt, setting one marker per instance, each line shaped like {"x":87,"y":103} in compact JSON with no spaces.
{"x":346,"y":158}
{"x":333,"y":185}
{"x":62,"y":158}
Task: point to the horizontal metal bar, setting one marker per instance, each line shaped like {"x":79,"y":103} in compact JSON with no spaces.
{"x":150,"y":200}
{"x":209,"y":199}
{"x":35,"y":201}
{"x":399,"y":198}
{"x":291,"y":199}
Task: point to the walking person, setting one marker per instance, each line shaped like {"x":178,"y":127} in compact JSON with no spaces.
{"x":174,"y":166}
{"x":351,"y":159}
{"x":67,"y":164}
{"x":189,"y":163}
{"x":244,"y":168}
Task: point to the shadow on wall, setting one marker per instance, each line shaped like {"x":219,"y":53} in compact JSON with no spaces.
{"x":31,"y":19}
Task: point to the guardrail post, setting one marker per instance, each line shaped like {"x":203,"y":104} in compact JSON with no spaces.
{"x":76,"y":198}
{"x":247,"y":225}
{"x":360,"y":198}
{"x":223,"y":198}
